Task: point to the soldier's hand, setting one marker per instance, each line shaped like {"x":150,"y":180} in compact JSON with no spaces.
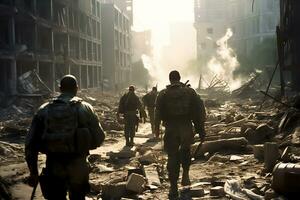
{"x":33,"y":180}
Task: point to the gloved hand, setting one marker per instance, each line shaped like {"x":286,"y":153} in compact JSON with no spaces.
{"x":33,"y":180}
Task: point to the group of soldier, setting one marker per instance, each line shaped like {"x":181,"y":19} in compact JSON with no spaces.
{"x":66,"y":128}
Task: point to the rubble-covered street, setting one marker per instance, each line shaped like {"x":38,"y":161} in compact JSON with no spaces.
{"x":236,"y":161}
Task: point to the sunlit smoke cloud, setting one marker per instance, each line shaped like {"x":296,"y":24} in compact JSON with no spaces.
{"x":159,"y":75}
{"x":224,"y":62}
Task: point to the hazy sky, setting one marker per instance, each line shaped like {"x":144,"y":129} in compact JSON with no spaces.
{"x":157,"y":14}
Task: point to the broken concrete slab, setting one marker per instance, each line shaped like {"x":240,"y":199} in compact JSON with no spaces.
{"x":125,"y":153}
{"x":271,"y":155}
{"x":148,"y":158}
{"x":152,"y":175}
{"x":260,"y":135}
{"x":217,"y":191}
{"x":233,"y":144}
{"x":114,"y":191}
{"x":258,"y":151}
{"x":197,"y":192}
{"x":136,"y":183}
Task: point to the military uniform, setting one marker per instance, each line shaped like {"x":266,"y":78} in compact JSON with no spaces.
{"x":178,"y":107}
{"x":66,"y":169}
{"x":129,"y":105}
{"x":149,"y":101}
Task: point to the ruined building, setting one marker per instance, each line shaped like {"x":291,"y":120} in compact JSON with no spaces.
{"x":250,"y":23}
{"x":117,"y":51}
{"x":52,"y":37}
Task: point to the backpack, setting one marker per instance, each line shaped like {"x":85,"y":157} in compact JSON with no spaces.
{"x":130,"y":102}
{"x":177,"y":102}
{"x":61,"y":123}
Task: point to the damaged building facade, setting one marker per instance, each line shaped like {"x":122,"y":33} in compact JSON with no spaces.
{"x":57,"y":37}
{"x":117,"y":51}
{"x":251,"y":24}
{"x":52,"y":37}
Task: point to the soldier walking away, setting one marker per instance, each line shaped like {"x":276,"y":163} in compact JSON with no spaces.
{"x":129,"y":106}
{"x":178,"y":106}
{"x":64,"y":129}
{"x":149,"y":102}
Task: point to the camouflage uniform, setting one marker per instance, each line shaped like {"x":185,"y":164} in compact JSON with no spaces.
{"x":64,"y":171}
{"x":129,"y":105}
{"x":178,"y":121}
{"x":149,"y":102}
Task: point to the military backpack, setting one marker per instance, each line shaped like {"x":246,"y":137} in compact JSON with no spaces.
{"x":61,"y":123}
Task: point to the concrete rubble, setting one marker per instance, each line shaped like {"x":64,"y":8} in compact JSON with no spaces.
{"x":239,"y":158}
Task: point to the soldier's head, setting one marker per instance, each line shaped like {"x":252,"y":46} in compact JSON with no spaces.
{"x":68,"y":84}
{"x":131,"y":88}
{"x":174,"y":76}
{"x":154,"y":89}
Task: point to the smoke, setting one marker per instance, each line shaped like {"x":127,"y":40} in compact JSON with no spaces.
{"x":221,"y":65}
{"x":224,"y":62}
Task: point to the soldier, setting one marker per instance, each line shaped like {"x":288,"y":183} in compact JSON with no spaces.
{"x":129,"y":106}
{"x":149,"y":102}
{"x":178,"y":106}
{"x":64,"y":129}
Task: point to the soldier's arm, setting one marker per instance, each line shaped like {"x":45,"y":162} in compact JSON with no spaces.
{"x":157,"y":112}
{"x":33,"y":139}
{"x":94,"y":126}
{"x":121,"y":105}
{"x":199,"y":115}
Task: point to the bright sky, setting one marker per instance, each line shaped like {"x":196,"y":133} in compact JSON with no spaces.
{"x":157,"y":14}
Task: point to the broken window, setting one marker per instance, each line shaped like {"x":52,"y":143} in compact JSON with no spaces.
{"x":74,"y":47}
{"x":94,"y":8}
{"x":95,"y":73}
{"x":90,"y":50}
{"x":60,"y":15}
{"x":25,"y":4}
{"x":83,"y":49}
{"x":44,"y":39}
{"x":43,"y":9}
{"x":84,"y":82}
{"x":90,"y":77}
{"x":99,"y":53}
{"x":94,"y":27}
{"x":4,"y":33}
{"x":60,"y":44}
{"x":24,"y":34}
{"x":46,"y":73}
{"x":89,"y":26}
{"x":98,"y":9}
{"x":82,"y":23}
{"x":94,"y":52}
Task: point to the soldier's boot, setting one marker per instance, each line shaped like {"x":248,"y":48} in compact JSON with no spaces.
{"x":131,"y":143}
{"x":173,"y":169}
{"x":185,"y":181}
{"x":127,"y":141}
{"x":185,"y":157}
{"x":173,"y":192}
